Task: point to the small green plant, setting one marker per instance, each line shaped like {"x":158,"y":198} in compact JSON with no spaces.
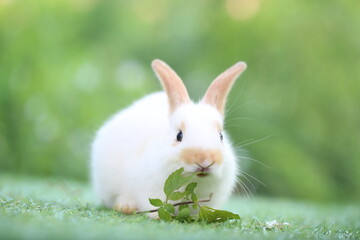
{"x":189,"y":199}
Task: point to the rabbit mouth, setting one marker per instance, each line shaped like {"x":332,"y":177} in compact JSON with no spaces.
{"x":203,"y":172}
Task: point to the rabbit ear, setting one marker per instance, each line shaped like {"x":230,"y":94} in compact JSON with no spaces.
{"x":172,"y":84}
{"x":219,"y":89}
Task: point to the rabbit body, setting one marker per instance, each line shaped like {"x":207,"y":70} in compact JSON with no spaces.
{"x":138,"y":148}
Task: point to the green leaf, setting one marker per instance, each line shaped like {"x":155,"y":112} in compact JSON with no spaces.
{"x":175,"y":181}
{"x":183,"y":206}
{"x":156,"y":202}
{"x":206,"y":215}
{"x":190,"y":188}
{"x":164,"y":215}
{"x":184,"y":213}
{"x":194,"y":197}
{"x":176,"y":196}
{"x":169,"y":208}
{"x":211,"y":215}
{"x":222,"y":216}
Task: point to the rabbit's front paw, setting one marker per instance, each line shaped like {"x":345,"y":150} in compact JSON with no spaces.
{"x":125,"y":207}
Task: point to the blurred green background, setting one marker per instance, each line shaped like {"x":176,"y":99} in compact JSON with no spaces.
{"x":67,"y":65}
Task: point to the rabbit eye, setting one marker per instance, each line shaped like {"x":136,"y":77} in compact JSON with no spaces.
{"x":221,"y":136}
{"x":179,"y":136}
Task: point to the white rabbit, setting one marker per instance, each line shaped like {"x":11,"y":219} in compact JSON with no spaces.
{"x":137,"y":149}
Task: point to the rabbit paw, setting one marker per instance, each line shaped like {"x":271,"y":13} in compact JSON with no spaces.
{"x":125,"y":207}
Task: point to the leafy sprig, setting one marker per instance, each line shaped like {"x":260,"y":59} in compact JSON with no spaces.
{"x":179,"y":186}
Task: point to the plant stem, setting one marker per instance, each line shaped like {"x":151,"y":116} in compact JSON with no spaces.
{"x":178,"y":204}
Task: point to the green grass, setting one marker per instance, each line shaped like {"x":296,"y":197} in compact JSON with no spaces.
{"x":35,"y":208}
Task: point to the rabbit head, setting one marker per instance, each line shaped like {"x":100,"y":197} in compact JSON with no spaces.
{"x":196,"y":129}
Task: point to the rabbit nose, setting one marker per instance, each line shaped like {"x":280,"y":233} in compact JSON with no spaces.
{"x":204,"y":165}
